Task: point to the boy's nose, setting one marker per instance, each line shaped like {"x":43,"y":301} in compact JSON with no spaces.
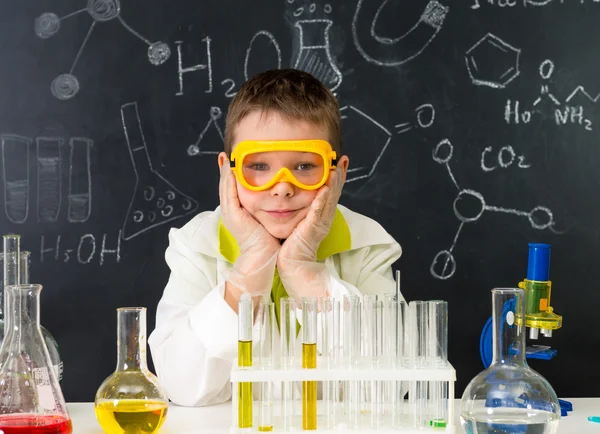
{"x":283,"y":189}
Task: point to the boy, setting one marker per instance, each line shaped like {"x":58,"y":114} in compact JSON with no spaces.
{"x":278,"y":231}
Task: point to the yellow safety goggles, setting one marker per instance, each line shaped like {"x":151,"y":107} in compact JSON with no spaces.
{"x":259,"y":165}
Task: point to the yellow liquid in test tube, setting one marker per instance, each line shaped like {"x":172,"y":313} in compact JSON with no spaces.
{"x":131,"y":416}
{"x":245,"y":389}
{"x":309,"y":388}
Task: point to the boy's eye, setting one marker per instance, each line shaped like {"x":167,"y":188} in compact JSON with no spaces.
{"x":305,"y":166}
{"x":257,"y":166}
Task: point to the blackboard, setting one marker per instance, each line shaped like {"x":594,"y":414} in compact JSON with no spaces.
{"x":471,"y":128}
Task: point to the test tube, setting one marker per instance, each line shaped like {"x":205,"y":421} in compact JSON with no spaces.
{"x":436,"y":357}
{"x":310,"y":306}
{"x":351,"y":331}
{"x":368,"y":336}
{"x":418,"y":348}
{"x":394,"y":345}
{"x":245,"y":322}
{"x":372,"y":345}
{"x":266,"y":361}
{"x":287,"y":327}
{"x":329,"y":308}
{"x":11,"y":270}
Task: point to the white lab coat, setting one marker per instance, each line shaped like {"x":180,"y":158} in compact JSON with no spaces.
{"x":195,"y":340}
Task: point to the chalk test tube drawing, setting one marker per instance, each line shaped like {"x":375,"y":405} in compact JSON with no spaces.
{"x":492,"y":62}
{"x":358,"y":126}
{"x":15,"y":174}
{"x":314,"y":55}
{"x":155,"y":201}
{"x":66,"y":86}
{"x":443,"y":265}
{"x":196,"y":149}
{"x":384,"y":51}
{"x":49,"y":175}
{"x":80,"y":180}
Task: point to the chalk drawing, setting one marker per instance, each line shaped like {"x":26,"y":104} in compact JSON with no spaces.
{"x":15,"y":174}
{"x":155,"y":201}
{"x":65,"y":86}
{"x":443,"y":265}
{"x":49,"y":175}
{"x":492,"y":62}
{"x":196,"y":149}
{"x":384,"y":51}
{"x":80,"y":180}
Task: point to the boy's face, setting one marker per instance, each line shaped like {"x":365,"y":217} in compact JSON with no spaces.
{"x":280,"y":208}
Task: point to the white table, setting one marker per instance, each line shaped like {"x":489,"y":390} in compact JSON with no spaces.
{"x":217,"y":419}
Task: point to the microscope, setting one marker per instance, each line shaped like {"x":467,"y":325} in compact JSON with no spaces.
{"x":539,"y":315}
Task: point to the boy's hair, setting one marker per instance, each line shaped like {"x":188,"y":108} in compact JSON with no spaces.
{"x":293,"y":94}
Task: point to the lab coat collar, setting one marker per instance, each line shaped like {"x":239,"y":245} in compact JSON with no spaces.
{"x":363,"y":232}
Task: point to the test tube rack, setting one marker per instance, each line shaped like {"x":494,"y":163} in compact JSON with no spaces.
{"x":409,"y":416}
{"x":370,"y":351}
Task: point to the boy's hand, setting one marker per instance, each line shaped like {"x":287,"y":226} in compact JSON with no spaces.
{"x":253,"y":270}
{"x":300,"y":273}
{"x":235,"y":218}
{"x":315,"y":226}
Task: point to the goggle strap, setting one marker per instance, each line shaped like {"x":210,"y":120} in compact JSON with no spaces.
{"x":334,"y":162}
{"x":232,"y":162}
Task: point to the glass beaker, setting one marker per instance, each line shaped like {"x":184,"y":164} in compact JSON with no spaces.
{"x":14,"y":273}
{"x":509,"y":396}
{"x":131,"y":399}
{"x":31,"y":400}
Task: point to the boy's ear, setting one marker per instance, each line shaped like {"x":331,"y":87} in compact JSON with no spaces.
{"x":343,"y":163}
{"x":222,"y":159}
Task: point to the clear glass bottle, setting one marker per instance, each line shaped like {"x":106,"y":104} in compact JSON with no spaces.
{"x":131,"y":400}
{"x":15,"y":274}
{"x":509,"y":396}
{"x":31,"y":401}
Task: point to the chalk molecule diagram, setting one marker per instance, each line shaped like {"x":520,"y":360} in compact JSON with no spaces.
{"x":384,"y":51}
{"x":443,"y":265}
{"x":492,"y":62}
{"x":66,"y":86}
{"x":196,"y":148}
{"x":358,"y":125}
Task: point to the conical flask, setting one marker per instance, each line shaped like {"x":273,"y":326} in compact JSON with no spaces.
{"x":509,"y":396}
{"x":31,"y":400}
{"x":131,"y":400}
{"x":18,"y":273}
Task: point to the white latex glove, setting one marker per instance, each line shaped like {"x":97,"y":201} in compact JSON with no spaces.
{"x":253,"y":270}
{"x":300,"y":273}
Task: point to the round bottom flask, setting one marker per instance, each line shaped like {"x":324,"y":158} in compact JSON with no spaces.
{"x":509,"y":397}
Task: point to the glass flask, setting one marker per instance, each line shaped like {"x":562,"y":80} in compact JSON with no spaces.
{"x":131,"y":400}
{"x":509,"y":397}
{"x":31,"y":401}
{"x":16,"y":274}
